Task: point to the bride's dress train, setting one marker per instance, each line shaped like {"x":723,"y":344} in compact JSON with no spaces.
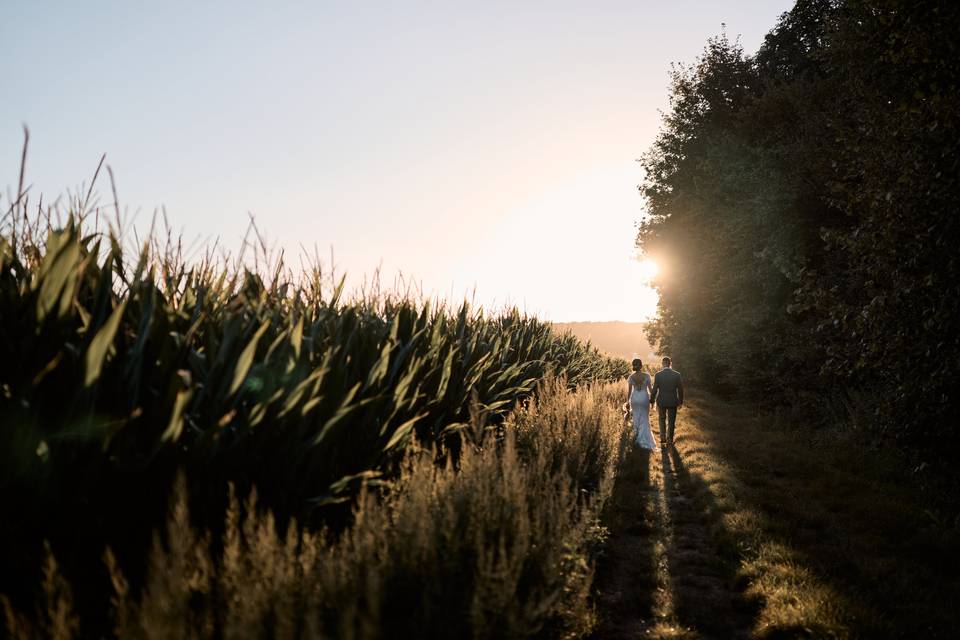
{"x":640,"y":407}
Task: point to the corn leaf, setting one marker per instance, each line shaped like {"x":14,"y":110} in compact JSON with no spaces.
{"x":100,"y":345}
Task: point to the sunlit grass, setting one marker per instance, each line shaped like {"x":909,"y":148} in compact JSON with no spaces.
{"x":749,"y":531}
{"x":820,"y":542}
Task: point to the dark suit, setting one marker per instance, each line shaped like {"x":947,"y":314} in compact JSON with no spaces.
{"x":668,"y":394}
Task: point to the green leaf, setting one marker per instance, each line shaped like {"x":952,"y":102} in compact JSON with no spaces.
{"x":295,"y":396}
{"x":379,"y":370}
{"x":6,"y":253}
{"x":61,"y":261}
{"x":345,"y":409}
{"x":246,"y":359}
{"x":175,"y":426}
{"x":100,"y":345}
{"x":70,"y":285}
{"x":340,"y":491}
{"x":296,"y":337}
{"x":447,"y":369}
{"x":401,"y":432}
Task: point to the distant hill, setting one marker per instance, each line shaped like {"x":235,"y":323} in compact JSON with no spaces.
{"x":624,"y":339}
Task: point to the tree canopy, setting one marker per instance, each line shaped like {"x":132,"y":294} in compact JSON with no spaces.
{"x":803,"y":204}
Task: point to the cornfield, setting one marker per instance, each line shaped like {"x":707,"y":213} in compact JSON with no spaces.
{"x":121,"y":369}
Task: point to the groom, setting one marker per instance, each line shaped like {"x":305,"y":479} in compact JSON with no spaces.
{"x":668,"y":394}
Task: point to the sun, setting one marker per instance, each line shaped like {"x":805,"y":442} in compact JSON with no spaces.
{"x":649,"y":269}
{"x":641,"y":290}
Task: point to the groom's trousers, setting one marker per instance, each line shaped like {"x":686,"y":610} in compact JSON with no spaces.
{"x":668,"y":421}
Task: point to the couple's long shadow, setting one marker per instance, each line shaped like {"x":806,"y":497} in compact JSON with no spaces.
{"x":627,"y":571}
{"x":702,"y":555}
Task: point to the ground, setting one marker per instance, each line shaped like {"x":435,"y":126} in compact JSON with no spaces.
{"x":745,"y":529}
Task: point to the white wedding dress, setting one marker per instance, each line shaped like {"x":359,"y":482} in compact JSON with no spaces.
{"x":640,"y":407}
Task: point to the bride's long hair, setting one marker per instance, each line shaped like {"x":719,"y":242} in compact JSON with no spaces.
{"x":637,"y":364}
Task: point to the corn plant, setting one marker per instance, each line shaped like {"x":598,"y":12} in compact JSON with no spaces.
{"x":120,"y":368}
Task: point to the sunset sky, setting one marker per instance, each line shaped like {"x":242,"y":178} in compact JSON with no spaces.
{"x":483,"y":148}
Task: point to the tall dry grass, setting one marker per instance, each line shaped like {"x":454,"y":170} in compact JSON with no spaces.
{"x":500,"y":547}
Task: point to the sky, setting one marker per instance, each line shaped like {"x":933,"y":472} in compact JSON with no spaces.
{"x":485,"y":149}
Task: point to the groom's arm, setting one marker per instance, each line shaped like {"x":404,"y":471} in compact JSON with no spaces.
{"x":656,"y":390}
{"x":679,"y":390}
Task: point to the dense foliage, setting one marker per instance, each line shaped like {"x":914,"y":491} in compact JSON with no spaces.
{"x":117,"y":373}
{"x":804,"y":205}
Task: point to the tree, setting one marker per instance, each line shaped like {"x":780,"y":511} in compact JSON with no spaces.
{"x":804,"y":203}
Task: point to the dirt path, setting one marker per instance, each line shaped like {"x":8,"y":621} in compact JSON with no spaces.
{"x":670,"y":572}
{"x":741,"y":531}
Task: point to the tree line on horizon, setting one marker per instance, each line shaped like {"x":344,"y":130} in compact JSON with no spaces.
{"x":626,"y":340}
{"x":804,"y":201}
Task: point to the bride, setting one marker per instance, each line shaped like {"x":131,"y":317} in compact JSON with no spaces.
{"x":638,"y":396}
